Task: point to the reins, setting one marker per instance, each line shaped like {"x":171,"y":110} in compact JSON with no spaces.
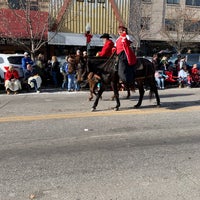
{"x":106,"y":64}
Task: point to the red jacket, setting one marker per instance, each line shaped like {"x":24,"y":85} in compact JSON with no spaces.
{"x":107,"y":49}
{"x":11,"y":74}
{"x":123,"y":44}
{"x":88,"y":37}
{"x":195,"y":71}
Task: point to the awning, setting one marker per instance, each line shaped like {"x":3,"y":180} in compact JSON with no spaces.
{"x":14,"y":24}
{"x":74,"y":39}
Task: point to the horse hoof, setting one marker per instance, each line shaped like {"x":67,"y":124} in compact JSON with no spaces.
{"x":93,"y":109}
{"x":112,"y":99}
{"x":136,"y":106}
{"x":158,"y":106}
{"x":116,"y":109}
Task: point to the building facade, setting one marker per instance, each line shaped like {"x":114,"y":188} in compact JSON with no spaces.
{"x":176,"y":22}
{"x":152,"y":22}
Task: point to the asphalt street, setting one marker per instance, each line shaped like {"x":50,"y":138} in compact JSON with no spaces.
{"x":53,"y":148}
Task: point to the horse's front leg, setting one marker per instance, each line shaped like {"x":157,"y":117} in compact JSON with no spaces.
{"x":98,"y":96}
{"x":116,"y":94}
{"x":91,"y":96}
{"x":92,"y":84}
{"x":141,"y":93}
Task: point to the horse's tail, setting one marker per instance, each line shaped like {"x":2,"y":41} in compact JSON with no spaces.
{"x":151,"y":94}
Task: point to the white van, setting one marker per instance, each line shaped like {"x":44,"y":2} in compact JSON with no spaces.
{"x":10,"y":59}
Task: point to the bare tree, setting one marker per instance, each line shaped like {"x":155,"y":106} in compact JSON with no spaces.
{"x":139,"y":22}
{"x":181,"y":28}
{"x":26,"y":24}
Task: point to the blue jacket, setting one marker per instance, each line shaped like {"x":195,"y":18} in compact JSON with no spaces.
{"x":25,"y":61}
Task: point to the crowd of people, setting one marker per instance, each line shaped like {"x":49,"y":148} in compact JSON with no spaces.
{"x":74,"y":70}
{"x":39,"y":73}
{"x":178,"y":73}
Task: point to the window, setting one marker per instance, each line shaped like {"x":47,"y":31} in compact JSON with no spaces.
{"x":193,"y":2}
{"x":91,"y":1}
{"x":173,"y":1}
{"x":80,"y":0}
{"x":22,"y":4}
{"x":146,"y":0}
{"x":100,"y":1}
{"x":191,"y":26}
{"x":15,"y":4}
{"x":170,"y":25}
{"x":145,"y":23}
{"x":34,"y":5}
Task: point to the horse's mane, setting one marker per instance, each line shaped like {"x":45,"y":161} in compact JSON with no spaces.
{"x":102,"y":64}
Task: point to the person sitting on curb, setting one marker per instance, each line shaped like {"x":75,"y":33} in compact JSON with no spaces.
{"x":12,"y":82}
{"x":34,"y":80}
{"x":184,"y":77}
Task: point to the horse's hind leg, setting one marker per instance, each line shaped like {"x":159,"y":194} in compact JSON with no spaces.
{"x":141,"y":93}
{"x":154,"y":89}
{"x":116,"y":94}
{"x":127,"y":88}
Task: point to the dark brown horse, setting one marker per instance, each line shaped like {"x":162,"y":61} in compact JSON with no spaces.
{"x":105,"y":72}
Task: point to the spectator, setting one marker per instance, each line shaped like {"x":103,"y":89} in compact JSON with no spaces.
{"x":55,"y":69}
{"x":41,"y":68}
{"x":34,"y":80}
{"x":160,"y":79}
{"x":184,"y":77}
{"x":155,"y":61}
{"x":63,"y":71}
{"x":85,"y":54}
{"x":26,"y":60}
{"x":71,"y":73}
{"x":182,"y":62}
{"x":12,"y":82}
{"x":195,"y":74}
{"x":177,"y":64}
{"x":79,"y":70}
{"x":164,"y":63}
{"x":84,"y":70}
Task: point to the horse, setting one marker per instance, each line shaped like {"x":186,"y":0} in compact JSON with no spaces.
{"x":106,"y":73}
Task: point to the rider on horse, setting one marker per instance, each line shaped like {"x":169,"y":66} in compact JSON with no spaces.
{"x":106,"y":52}
{"x":108,"y":46}
{"x":126,"y":57}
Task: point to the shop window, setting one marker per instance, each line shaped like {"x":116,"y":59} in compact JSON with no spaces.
{"x":173,"y":1}
{"x":91,"y":1}
{"x":191,"y":26}
{"x":146,"y":1}
{"x":101,"y":1}
{"x":193,"y":2}
{"x":170,"y":25}
{"x":145,"y":25}
{"x":22,"y":4}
